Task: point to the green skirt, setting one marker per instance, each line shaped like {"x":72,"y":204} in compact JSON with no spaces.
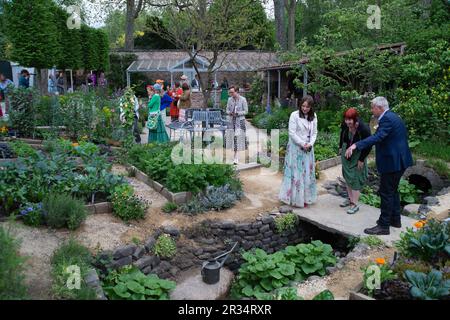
{"x":224,"y":95}
{"x":355,"y":178}
{"x":159,"y":134}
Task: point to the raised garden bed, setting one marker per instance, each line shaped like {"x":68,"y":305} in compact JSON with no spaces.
{"x":178,"y":197}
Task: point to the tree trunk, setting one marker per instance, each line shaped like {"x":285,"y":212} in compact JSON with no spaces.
{"x":129,"y":25}
{"x":280,"y":25}
{"x":42,"y":81}
{"x":291,"y":24}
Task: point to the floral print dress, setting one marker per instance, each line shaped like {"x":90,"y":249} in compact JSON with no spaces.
{"x":299,"y":182}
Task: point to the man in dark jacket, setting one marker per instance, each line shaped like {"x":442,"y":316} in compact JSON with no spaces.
{"x":392,"y":158}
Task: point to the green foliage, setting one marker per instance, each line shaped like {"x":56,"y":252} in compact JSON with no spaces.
{"x":408,"y":192}
{"x":254,"y":97}
{"x":214,"y":198}
{"x":165,"y":246}
{"x":440,"y":166}
{"x":32,"y":214}
{"x":286,"y":222}
{"x":12,"y":278}
{"x":429,"y":243}
{"x":326,"y":145}
{"x":169,"y":207}
{"x":118,"y":65}
{"x":22,"y":149}
{"x":156,"y":161}
{"x":324,"y":295}
{"x":132,"y":284}
{"x":433,"y":149}
{"x":404,"y":264}
{"x":385,"y":273}
{"x":27,"y":21}
{"x":196,"y":177}
{"x":286,"y":293}
{"x":63,"y":210}
{"x":126,"y":205}
{"x":22,"y":110}
{"x":68,"y":255}
{"x":263,"y":273}
{"x":369,"y":197}
{"x":429,"y":286}
{"x":78,"y":111}
{"x":371,"y":241}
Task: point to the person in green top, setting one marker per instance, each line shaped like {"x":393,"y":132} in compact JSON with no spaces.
{"x":155,"y":125}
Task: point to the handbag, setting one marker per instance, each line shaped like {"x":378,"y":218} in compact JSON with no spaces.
{"x":152,"y":122}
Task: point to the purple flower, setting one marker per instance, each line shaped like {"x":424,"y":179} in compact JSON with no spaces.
{"x":29,"y":209}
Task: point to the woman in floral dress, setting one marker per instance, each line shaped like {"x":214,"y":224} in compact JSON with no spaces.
{"x":299,"y":182}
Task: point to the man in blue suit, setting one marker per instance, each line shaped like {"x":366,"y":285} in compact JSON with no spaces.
{"x":392,"y":158}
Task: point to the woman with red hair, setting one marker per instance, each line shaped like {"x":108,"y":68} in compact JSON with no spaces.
{"x":354,"y":169}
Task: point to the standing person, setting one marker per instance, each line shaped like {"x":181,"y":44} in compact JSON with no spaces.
{"x":156,"y":128}
{"x":184,"y":102}
{"x":5,"y":85}
{"x":166,"y":100}
{"x":195,"y":84}
{"x":354,"y":170}
{"x":60,"y":83}
{"x":24,"y":79}
{"x":176,"y":94}
{"x":299,"y":182}
{"x":237,"y":108}
{"x":224,"y":87}
{"x":393,"y":157}
{"x":52,"y":84}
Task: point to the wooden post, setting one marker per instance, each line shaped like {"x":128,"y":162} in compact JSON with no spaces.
{"x":279,"y":85}
{"x":268,"y":92}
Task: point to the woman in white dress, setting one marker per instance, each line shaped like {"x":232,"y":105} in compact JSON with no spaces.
{"x":299,"y":182}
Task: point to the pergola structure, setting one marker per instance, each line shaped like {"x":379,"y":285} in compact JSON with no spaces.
{"x":175,"y":61}
{"x":279,"y":69}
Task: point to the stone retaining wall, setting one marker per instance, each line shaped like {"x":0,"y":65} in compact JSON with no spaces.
{"x":207,"y":240}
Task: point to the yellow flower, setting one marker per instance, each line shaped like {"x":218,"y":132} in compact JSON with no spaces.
{"x":380,"y":261}
{"x":75,"y":144}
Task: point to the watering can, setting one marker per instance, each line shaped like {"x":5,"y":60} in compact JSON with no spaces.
{"x":211,"y":268}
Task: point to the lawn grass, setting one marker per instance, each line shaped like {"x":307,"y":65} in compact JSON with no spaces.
{"x":433,"y":149}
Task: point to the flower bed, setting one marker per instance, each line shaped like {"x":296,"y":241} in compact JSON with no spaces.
{"x":153,"y":165}
{"x":77,"y":170}
{"x":421,"y":270}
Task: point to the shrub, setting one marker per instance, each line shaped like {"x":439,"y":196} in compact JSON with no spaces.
{"x":429,"y":286}
{"x":12,"y":279}
{"x":22,"y":110}
{"x":214,"y":198}
{"x":169,"y":207}
{"x":131,"y":284}
{"x":126,"y":205}
{"x":32,"y":214}
{"x":286,"y":222}
{"x":165,"y":246}
{"x":64,"y":211}
{"x":71,"y":254}
{"x":22,"y":149}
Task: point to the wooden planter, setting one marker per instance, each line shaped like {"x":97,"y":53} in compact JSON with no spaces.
{"x":357,"y":295}
{"x":97,"y":208}
{"x":178,"y":198}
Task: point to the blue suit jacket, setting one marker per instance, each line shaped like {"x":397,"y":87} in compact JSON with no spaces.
{"x":391,"y":142}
